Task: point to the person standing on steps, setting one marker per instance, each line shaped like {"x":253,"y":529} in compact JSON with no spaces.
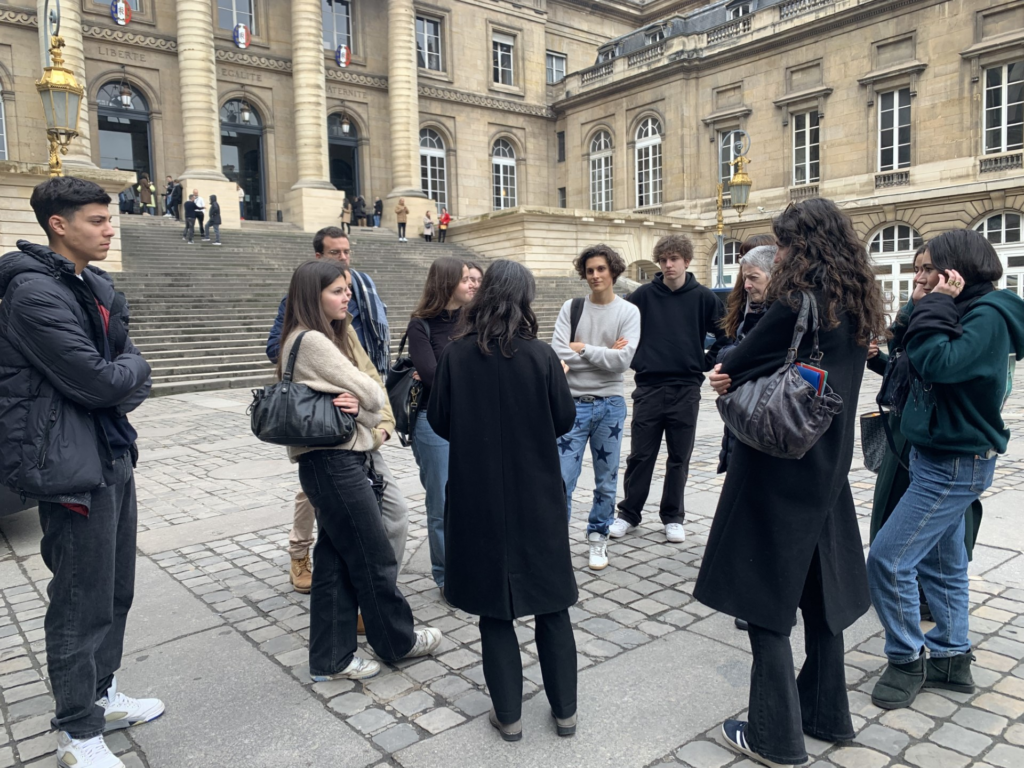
{"x":70,"y":378}
{"x":596,"y":337}
{"x":501,"y":398}
{"x":190,"y":220}
{"x":402,"y":216}
{"x":168,"y":192}
{"x":448,"y":289}
{"x":213,"y":225}
{"x":356,"y":568}
{"x":200,"y":213}
{"x":378,"y":211}
{"x":428,"y":228}
{"x":676,"y":315}
{"x":241,"y":201}
{"x":962,"y":343}
{"x":176,"y":197}
{"x":368,"y":319}
{"x":146,"y":195}
{"x":346,"y":216}
{"x":442,"y":225}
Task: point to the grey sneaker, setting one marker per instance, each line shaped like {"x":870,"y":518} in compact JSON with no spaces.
{"x":510,"y":732}
{"x":565,"y":726}
{"x":598,"y":551}
{"x":357,"y":669}
{"x":427,"y":641}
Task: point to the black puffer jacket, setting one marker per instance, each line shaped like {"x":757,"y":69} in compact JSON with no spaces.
{"x":57,"y":385}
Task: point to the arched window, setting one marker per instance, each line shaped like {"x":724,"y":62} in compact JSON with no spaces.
{"x":895,"y":239}
{"x":433,"y":167}
{"x":503,"y":175}
{"x":239,"y":112}
{"x":3,"y":128}
{"x":1001,"y":229}
{"x":601,"y":172}
{"x":109,"y":96}
{"x":731,"y":262}
{"x":648,"y":163}
{"x":123,"y":116}
{"x":343,"y":153}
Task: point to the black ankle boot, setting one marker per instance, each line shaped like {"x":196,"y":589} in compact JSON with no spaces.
{"x":952,"y":673}
{"x":899,"y":684}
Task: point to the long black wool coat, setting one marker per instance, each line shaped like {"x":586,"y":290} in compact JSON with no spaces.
{"x":773,"y":513}
{"x":506,"y":541}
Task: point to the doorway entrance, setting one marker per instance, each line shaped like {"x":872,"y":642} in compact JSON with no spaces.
{"x":343,"y":153}
{"x":124,"y":130}
{"x":241,"y":154}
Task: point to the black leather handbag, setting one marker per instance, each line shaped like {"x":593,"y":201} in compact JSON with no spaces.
{"x":782,"y":414}
{"x":404,"y":392}
{"x":287,"y":413}
{"x":873,"y":441}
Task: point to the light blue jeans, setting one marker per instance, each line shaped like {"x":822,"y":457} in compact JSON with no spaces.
{"x":431,"y":454}
{"x":923,"y":540}
{"x":600,"y":422}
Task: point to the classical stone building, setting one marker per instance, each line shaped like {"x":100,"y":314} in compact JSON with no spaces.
{"x":543,"y":124}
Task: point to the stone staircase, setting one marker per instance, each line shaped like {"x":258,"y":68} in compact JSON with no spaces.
{"x":201,"y":313}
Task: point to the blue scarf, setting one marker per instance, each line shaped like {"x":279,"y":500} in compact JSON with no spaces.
{"x":376,"y":334}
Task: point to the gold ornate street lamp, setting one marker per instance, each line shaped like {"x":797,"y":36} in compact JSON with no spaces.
{"x":61,"y":95}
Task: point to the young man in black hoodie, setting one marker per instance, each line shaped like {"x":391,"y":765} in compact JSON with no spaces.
{"x":70,"y":377}
{"x":676,"y":314}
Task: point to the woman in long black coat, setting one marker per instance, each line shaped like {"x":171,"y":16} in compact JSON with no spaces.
{"x":501,"y":399}
{"x":785,"y":533}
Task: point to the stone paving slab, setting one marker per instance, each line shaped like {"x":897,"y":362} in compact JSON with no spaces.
{"x":632,"y":710}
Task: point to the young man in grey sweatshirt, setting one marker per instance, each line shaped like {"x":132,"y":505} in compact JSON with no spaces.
{"x":596,"y":357}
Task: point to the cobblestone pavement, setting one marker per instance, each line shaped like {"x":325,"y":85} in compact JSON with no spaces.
{"x":214,"y":516}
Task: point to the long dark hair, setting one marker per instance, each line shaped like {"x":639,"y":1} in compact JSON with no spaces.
{"x":824,"y":254}
{"x":443,"y":278}
{"x":304,"y":310}
{"x":501,"y":310}
{"x":736,"y":304}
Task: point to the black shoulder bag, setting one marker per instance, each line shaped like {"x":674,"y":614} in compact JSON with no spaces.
{"x":782,"y":414}
{"x":404,"y":391}
{"x":575,"y":313}
{"x":287,"y":413}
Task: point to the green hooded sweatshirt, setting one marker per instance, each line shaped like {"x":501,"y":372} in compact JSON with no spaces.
{"x":966,"y":368}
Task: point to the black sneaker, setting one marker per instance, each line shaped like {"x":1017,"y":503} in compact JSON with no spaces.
{"x":734,"y":733}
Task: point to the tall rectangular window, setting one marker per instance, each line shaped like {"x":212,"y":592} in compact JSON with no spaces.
{"x":560,"y":138}
{"x":805,"y":148}
{"x":231,"y":13}
{"x":428,"y":44}
{"x":1004,"y":108}
{"x":337,"y":24}
{"x":561,"y":197}
{"x":727,"y":153}
{"x":894,"y":130}
{"x":503,"y":49}
{"x":3,"y":130}
{"x":556,"y":67}
{"x":601,"y":181}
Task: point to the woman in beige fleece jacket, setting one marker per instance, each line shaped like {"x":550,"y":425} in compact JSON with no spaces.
{"x":354,"y":564}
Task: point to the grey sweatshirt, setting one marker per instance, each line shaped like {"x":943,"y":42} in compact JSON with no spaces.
{"x":599,"y":370}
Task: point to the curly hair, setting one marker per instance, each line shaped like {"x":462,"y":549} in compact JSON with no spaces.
{"x":824,"y":254}
{"x":736,"y":303}
{"x":678,"y":245}
{"x":616,"y":264}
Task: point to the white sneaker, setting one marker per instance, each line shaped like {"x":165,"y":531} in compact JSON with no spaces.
{"x":620,"y":528}
{"x":357,"y":669}
{"x":675,"y":533}
{"x":598,"y":551}
{"x":84,"y":753}
{"x":123,"y":711}
{"x":427,"y":641}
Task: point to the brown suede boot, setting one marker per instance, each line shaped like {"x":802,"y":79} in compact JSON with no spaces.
{"x":302,"y":575}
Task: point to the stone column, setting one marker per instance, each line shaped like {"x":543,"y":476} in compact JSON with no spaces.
{"x":200,"y":110}
{"x":80,"y":152}
{"x":404,"y":107}
{"x":313,"y":202}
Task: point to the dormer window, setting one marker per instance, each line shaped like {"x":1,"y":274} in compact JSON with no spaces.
{"x":654,"y":36}
{"x":606,"y":55}
{"x":739,"y":10}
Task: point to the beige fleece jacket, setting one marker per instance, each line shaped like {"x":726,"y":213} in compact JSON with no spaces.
{"x":321,"y":366}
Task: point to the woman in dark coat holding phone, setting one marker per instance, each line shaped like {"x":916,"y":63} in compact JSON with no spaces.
{"x":785,"y":534}
{"x":501,"y":399}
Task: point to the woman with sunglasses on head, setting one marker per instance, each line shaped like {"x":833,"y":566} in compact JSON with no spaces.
{"x":785,"y":534}
{"x":961,"y":337}
{"x":356,"y":570}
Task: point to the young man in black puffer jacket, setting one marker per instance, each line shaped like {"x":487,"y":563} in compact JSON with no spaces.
{"x":69,"y":377}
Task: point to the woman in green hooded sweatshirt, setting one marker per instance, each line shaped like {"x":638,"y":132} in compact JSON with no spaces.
{"x":962,"y":341}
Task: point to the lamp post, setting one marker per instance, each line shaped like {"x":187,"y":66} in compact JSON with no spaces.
{"x":739,"y":190}
{"x":61,"y":95}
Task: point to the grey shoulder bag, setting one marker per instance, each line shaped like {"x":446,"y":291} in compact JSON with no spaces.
{"x":782,"y":414}
{"x":288,"y":413}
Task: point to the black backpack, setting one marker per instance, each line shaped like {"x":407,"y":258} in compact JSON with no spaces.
{"x":575,"y":313}
{"x":404,"y":391}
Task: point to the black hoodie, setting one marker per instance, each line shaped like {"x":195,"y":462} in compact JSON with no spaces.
{"x":673,"y":326}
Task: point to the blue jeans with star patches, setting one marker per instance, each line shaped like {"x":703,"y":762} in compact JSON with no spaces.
{"x":599,"y":420}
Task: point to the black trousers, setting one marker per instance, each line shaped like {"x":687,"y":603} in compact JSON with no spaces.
{"x":401,"y":229}
{"x":503,"y":666}
{"x":354,"y":566}
{"x":200,"y":217}
{"x":93,"y":564}
{"x":190,"y":230}
{"x":670,"y":410}
{"x":441,"y":234}
{"x":783,"y":707}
